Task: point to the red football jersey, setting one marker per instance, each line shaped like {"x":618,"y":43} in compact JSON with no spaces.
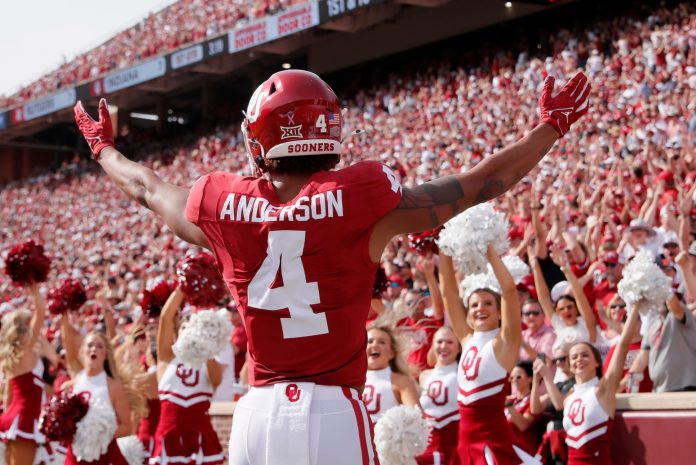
{"x":300,"y":271}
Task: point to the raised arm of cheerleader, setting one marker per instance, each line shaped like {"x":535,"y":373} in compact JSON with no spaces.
{"x":165,"y":331}
{"x":552,"y":395}
{"x":214,"y":372}
{"x":408,"y":391}
{"x":119,"y":399}
{"x":37,"y":319}
{"x":584,"y":307}
{"x":435,"y":294}
{"x":542,"y":288}
{"x":71,"y":340}
{"x":450,"y":296}
{"x":521,"y":420}
{"x":511,"y":321}
{"x":606,"y":392}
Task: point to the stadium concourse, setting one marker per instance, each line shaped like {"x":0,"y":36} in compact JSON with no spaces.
{"x":621,"y":182}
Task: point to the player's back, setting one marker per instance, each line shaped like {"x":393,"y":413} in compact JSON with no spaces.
{"x":299,"y":270}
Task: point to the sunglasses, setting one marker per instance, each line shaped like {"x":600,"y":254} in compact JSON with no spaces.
{"x":558,"y":360}
{"x":617,"y":306}
{"x":610,"y":265}
{"x":531,"y":313}
{"x":671,"y":246}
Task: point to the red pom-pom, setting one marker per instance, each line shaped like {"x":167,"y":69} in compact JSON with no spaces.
{"x":425,"y":243}
{"x":70,"y":295}
{"x":154,"y":299}
{"x":26,"y":262}
{"x":59,"y":417}
{"x":381,"y":282}
{"x":200,"y":280}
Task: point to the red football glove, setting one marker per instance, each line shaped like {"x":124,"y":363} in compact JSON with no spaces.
{"x":568,"y":106}
{"x":98,"y":134}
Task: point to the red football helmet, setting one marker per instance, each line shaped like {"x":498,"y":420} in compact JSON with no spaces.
{"x":293,"y":113}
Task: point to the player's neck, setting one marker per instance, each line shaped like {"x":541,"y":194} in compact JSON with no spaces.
{"x":287,"y":186}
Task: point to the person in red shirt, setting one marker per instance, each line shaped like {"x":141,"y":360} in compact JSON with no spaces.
{"x":420,"y":326}
{"x":298,"y":246}
{"x":518,"y":408}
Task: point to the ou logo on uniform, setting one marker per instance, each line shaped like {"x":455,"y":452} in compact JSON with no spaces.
{"x":368,"y":397}
{"x":471,"y":363}
{"x":576,"y":412}
{"x":189,"y":376}
{"x":436,"y":390}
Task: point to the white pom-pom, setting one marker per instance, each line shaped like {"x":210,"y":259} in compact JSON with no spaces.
{"x":132,"y":450}
{"x":467,"y":236}
{"x":400,"y":435}
{"x":476,"y":282}
{"x":203,"y":337}
{"x":516,"y":266}
{"x":644,"y":283}
{"x":94,"y":432}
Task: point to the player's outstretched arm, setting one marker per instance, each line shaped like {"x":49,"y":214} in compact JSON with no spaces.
{"x":137,"y":181}
{"x":432,"y":204}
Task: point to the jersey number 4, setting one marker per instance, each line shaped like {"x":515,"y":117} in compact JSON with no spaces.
{"x":285,"y":252}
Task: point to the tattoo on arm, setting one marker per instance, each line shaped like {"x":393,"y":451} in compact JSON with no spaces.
{"x":491,"y":188}
{"x":444,"y":191}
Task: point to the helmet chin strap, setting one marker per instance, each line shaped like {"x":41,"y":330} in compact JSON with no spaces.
{"x":254,"y":162}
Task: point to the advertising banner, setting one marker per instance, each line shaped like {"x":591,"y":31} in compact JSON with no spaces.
{"x":187,"y":56}
{"x":136,"y":75}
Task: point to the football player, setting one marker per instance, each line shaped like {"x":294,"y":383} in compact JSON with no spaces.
{"x":298,"y":246}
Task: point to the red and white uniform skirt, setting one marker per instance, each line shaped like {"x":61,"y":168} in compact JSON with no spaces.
{"x":588,"y":427}
{"x":147,"y":427}
{"x":20,"y":420}
{"x":485,"y":438}
{"x":185,"y":433}
{"x":439,"y":402}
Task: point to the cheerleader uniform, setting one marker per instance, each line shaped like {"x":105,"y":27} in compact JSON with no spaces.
{"x":588,"y":427}
{"x":148,"y":426}
{"x":185,"y":433}
{"x":20,"y":420}
{"x":98,"y":389}
{"x":439,"y":402}
{"x":378,"y":395}
{"x":484,"y":435}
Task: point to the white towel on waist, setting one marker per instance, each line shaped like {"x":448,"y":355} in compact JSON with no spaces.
{"x":287,"y":439}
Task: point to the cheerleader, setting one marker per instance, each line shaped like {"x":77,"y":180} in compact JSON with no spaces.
{"x":92,"y":368}
{"x":588,"y":413}
{"x":439,"y":399}
{"x":490,"y":331}
{"x":134,"y":360}
{"x":22,"y":369}
{"x":388,"y":383}
{"x":570,"y":315}
{"x":184,"y":433}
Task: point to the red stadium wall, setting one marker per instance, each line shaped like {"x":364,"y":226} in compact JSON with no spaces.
{"x":649,"y":429}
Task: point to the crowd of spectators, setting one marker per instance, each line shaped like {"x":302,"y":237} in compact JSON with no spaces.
{"x":623,"y":180}
{"x":180,"y":24}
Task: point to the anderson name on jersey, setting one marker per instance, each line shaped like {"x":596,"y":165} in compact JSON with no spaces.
{"x":300,"y":271}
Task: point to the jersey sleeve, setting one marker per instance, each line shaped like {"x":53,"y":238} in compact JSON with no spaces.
{"x":202,"y":202}
{"x":194,"y":202}
{"x":382,"y":188}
